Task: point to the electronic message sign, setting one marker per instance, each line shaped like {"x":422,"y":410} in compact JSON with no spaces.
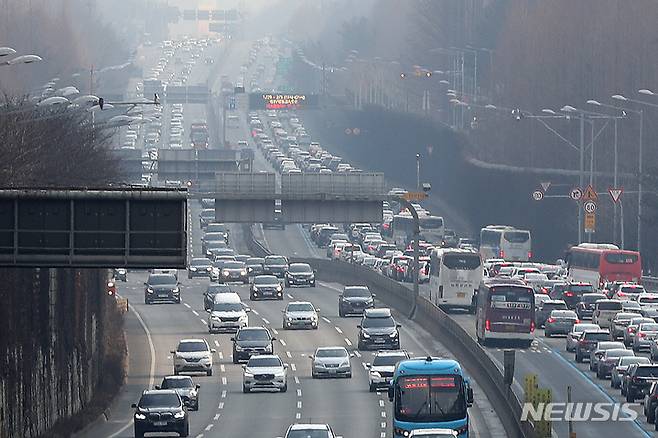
{"x":282,"y":101}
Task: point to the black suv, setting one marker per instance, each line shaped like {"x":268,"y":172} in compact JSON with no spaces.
{"x":161,"y":411}
{"x":275,"y":265}
{"x":378,"y":330}
{"x":354,"y":300}
{"x":638,"y":381}
{"x":211,"y":291}
{"x":161,"y":287}
{"x":585,"y":308}
{"x":249,"y":341}
{"x":571,"y":293}
{"x":588,"y":341}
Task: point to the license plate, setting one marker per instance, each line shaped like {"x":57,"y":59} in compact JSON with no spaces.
{"x":332,"y":371}
{"x":461,"y":294}
{"x":159,"y":423}
{"x":379,"y":341}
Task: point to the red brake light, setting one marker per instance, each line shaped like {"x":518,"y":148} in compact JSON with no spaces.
{"x":487,"y":325}
{"x":502,"y":254}
{"x":529,"y":254}
{"x":630,"y":330}
{"x":641,"y":335}
{"x":621,"y":294}
{"x":532,"y":326}
{"x":577,"y":321}
{"x":568,"y":294}
{"x":551,"y":320}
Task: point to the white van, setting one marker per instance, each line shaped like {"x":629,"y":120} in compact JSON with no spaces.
{"x":227,"y":313}
{"x":605,"y":311}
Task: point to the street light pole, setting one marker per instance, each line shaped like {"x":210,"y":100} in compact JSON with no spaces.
{"x":639,"y":187}
{"x":414,"y":214}
{"x":614,"y":215}
{"x":582,"y":175}
{"x":417,"y":171}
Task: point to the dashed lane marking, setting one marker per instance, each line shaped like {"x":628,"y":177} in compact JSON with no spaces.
{"x":299,"y":404}
{"x":216,"y":343}
{"x":289,"y":354}
{"x":187,"y":305}
{"x":293,"y":367}
{"x":348,"y":342}
{"x":210,"y":426}
{"x":339,"y":330}
{"x":221,"y":405}
{"x":255,"y":312}
{"x":222,"y":368}
{"x":383,"y":425}
{"x":199,"y":435}
{"x":275,"y":331}
{"x":195,"y":313}
{"x":224,"y":380}
{"x":204,"y":321}
{"x":382,"y":435}
{"x":290,"y":296}
{"x":357,"y":353}
{"x":216,"y":417}
{"x":381,"y":403}
{"x":299,"y":393}
{"x":365,"y":367}
{"x":224,"y":394}
{"x":298,"y":415}
{"x":221,"y":355}
{"x":265,"y":321}
{"x":282,"y":342}
{"x":297,"y":382}
{"x":383,"y":414}
{"x":327,"y":320}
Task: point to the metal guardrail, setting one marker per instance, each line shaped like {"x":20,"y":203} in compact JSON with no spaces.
{"x":479,"y":364}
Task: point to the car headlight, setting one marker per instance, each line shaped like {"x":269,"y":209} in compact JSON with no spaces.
{"x":176,"y":290}
{"x":279,"y":288}
{"x":248,"y":374}
{"x":394,"y":334}
{"x":365,"y":335}
{"x":402,"y":432}
{"x":255,"y":289}
{"x":216,"y":318}
{"x":289,"y":318}
{"x":179,"y":414}
{"x":369,"y":301}
{"x":375,"y":374}
{"x":140,"y":416}
{"x":345,"y":364}
{"x":226,"y":273}
{"x":243,"y":272}
{"x":149,"y":290}
{"x":280,"y":374}
{"x":193,"y":269}
{"x":209,"y":268}
{"x":238,"y":348}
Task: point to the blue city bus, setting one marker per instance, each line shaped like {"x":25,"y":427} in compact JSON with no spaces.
{"x":430,"y":393}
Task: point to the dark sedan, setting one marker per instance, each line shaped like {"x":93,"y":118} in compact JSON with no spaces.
{"x":251,"y":341}
{"x":300,"y":274}
{"x":266,"y":286}
{"x":276,"y":265}
{"x":161,"y":287}
{"x":212,"y":291}
{"x":354,"y":300}
{"x":255,"y":266}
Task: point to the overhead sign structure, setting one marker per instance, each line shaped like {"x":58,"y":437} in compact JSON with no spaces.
{"x":590,"y":194}
{"x":267,"y":101}
{"x":537,"y":195}
{"x":576,"y":193}
{"x":545,"y":185}
{"x":589,"y":206}
{"x":415,"y":196}
{"x":129,"y":228}
{"x":590,"y":222}
{"x":615,"y":193}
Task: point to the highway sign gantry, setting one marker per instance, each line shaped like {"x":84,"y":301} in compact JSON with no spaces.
{"x":615,"y":193}
{"x":576,"y":193}
{"x":415,"y":196}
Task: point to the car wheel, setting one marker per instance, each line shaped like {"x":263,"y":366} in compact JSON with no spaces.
{"x":186,"y":430}
{"x":630,"y":397}
{"x":360,"y":346}
{"x":196,"y":405}
{"x":613,"y":384}
{"x":146,"y":301}
{"x":287,"y":283}
{"x":285,"y":388}
{"x":651,"y":416}
{"x":178,"y":300}
{"x":547,"y":334}
{"x":348,"y":375}
{"x":245,"y":389}
{"x":340,"y":312}
{"x":189,"y":276}
{"x":235,"y":357}
{"x":138,"y":433}
{"x":209,"y":372}
{"x":175,"y":372}
{"x":598,"y":374}
{"x":313,"y":284}
{"x":313,"y":375}
{"x":579,"y":358}
{"x":372,"y":387}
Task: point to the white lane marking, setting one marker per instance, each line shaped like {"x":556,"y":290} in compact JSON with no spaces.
{"x":151,"y":367}
{"x":297,"y":381}
{"x":222,"y":368}
{"x":383,"y":424}
{"x":204,"y":321}
{"x":265,"y":321}
{"x":282,"y":342}
{"x":339,"y":330}
{"x":187,"y":305}
{"x":293,"y":367}
{"x":327,"y":320}
{"x":383,"y":414}
{"x":255,"y":312}
{"x":199,"y":435}
{"x":298,"y":415}
{"x":224,"y":380}
{"x":221,"y":405}
{"x":348,"y":342}
{"x":289,"y":354}
{"x":299,"y":404}
{"x":224,"y":394}
{"x":275,"y":331}
{"x":357,"y":353}
{"x":290,"y":296}
{"x":216,"y":417}
{"x":382,"y":435}
{"x":216,"y":343}
{"x":381,"y":403}
{"x":299,"y":393}
{"x":195,"y":313}
{"x":210,"y":426}
{"x":221,"y":354}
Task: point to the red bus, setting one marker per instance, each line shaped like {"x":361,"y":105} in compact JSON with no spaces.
{"x":600,"y":263}
{"x":505,"y":311}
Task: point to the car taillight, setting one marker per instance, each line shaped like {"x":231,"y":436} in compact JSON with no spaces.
{"x":532,"y":326}
{"x":529,"y":255}
{"x":550,"y":320}
{"x":568,"y":294}
{"x":487,"y":325}
{"x":577,"y":321}
{"x":630,"y":330}
{"x":641,"y":335}
{"x":544,"y":290}
{"x":501,"y":253}
{"x":621,"y":294}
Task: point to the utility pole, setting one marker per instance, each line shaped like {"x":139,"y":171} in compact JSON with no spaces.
{"x":639,"y":187}
{"x":415,"y":269}
{"x":418,"y":172}
{"x":615,"y":171}
{"x":582,"y":175}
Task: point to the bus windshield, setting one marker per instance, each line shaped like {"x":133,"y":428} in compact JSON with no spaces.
{"x":516,"y":236}
{"x":430,"y":398}
{"x":430,"y":222}
{"x":511,"y":298}
{"x":462,"y":261}
{"x":621,"y":258}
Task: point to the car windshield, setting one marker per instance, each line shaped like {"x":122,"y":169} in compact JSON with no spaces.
{"x":200,"y":262}
{"x":378,"y":322}
{"x":609,"y":345}
{"x":331,"y":352}
{"x":647,"y":371}
{"x":649,"y":327}
{"x":161,"y":279}
{"x":209,"y":237}
{"x":551,"y":306}
{"x":591,"y":299}
{"x":580,"y":289}
{"x":430,"y":398}
{"x":361,"y":292}
{"x":277,"y":260}
{"x":233,"y":265}
{"x":609,"y":305}
{"x":256,"y":361}
{"x":255,"y":261}
{"x":163,"y":400}
{"x":266,"y":279}
{"x":619,"y":353}
{"x":626,"y":361}
{"x":621,"y":258}
{"x":216,"y":244}
{"x":648,"y":300}
{"x":184,"y":382}
{"x":227,"y":307}
{"x":597,"y":336}
{"x":208,"y":214}
{"x":387,"y":360}
{"x":564,"y":314}
{"x":253,"y":335}
{"x":187,"y":347}
{"x":632,"y":289}
{"x":219,"y":289}
{"x":300,"y":307}
{"x":300,"y":268}
{"x":308,"y":433}
{"x":579,"y":328}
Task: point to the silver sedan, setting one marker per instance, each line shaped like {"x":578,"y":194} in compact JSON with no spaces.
{"x":576,"y":331}
{"x":331,"y":362}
